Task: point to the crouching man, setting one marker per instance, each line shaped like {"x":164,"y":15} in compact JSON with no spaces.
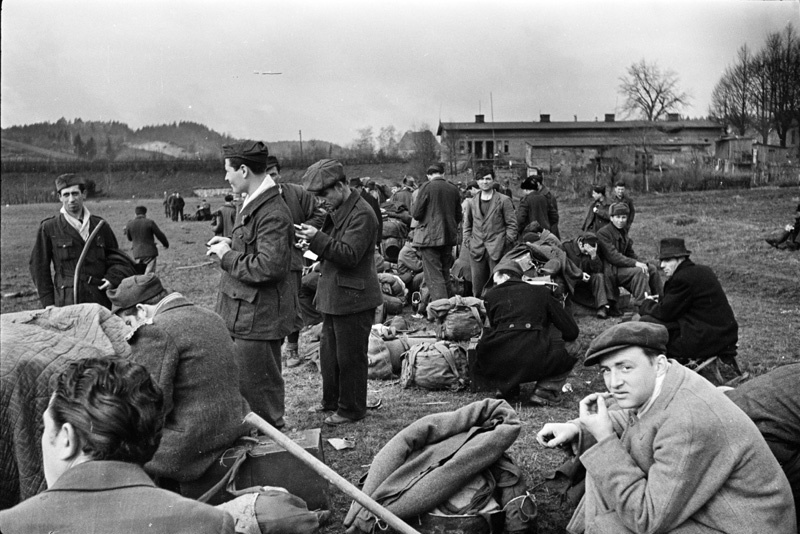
{"x":674,"y":454}
{"x":190,"y":353}
{"x":103,"y":424}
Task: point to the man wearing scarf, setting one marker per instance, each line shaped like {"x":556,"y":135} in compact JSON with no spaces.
{"x":60,"y":241}
{"x":256,"y":295}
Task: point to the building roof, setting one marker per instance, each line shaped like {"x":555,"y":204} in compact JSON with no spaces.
{"x":630,"y":140}
{"x":666,"y":126}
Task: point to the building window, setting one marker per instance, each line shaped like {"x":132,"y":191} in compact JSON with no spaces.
{"x":462,"y":147}
{"x":505,"y":147}
{"x":469,"y":147}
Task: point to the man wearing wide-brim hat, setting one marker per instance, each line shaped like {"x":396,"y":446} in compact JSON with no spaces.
{"x":348,"y":291}
{"x":60,"y":241}
{"x":665,"y":450}
{"x":694,"y":307}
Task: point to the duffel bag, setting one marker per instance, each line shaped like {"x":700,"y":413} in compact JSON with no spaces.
{"x":378,"y":356}
{"x":462,"y":322}
{"x":439,"y":365}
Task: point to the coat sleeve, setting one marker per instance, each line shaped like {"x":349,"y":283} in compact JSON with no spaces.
{"x":314,"y":215}
{"x":510,"y":221}
{"x":467,"y":225}
{"x":271,"y":257}
{"x":690,"y":465}
{"x":357,"y":239}
{"x":118,"y":264}
{"x":39,"y":267}
{"x":157,"y":352}
{"x":522,"y":215}
{"x":675,"y":303}
{"x":421,"y":203}
{"x":160,"y":235}
{"x":562,"y":319}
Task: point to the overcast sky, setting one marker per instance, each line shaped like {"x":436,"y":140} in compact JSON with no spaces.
{"x":349,"y":64}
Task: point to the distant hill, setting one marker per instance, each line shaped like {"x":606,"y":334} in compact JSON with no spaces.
{"x":116,"y":141}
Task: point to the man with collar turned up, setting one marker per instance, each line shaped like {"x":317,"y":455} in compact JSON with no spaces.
{"x":348,"y":290}
{"x":666,"y":451}
{"x":61,"y":240}
{"x":256,"y":295}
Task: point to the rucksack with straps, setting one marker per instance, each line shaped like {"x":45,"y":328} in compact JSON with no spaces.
{"x":462,"y":322}
{"x":440,"y":365}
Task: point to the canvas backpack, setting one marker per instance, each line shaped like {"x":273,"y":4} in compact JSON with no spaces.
{"x":462,"y":322}
{"x":439,"y":365}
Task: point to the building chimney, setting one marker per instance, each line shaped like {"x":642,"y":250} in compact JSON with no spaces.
{"x":609,"y":117}
{"x":544,"y":118}
{"x":673,"y":117}
{"x":479,"y":119}
{"x":576,"y":118}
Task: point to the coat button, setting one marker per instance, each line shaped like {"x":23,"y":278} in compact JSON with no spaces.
{"x":527,"y":325}
{"x":511,"y":325}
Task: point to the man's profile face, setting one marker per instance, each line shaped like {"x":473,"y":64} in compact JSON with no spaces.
{"x":274,"y":174}
{"x":333,"y":197}
{"x":72,"y":199}
{"x":235,"y":177}
{"x":630,"y":376}
{"x":669,"y":265}
{"x":619,"y":190}
{"x":619,"y":221}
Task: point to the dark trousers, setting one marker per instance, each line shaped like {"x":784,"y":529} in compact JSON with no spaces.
{"x":591,"y":293}
{"x":343,"y":362}
{"x":481,"y":271}
{"x":260,"y":378}
{"x":436,"y":265}
{"x":638,"y":283}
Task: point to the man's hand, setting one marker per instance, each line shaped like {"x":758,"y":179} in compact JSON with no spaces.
{"x":594,"y":416}
{"x":304,"y":232}
{"x":218,"y":245}
{"x":594,"y":209}
{"x":105,"y":285}
{"x":586,"y":277}
{"x":642,"y":266}
{"x":591,"y":250}
{"x":554,"y":434}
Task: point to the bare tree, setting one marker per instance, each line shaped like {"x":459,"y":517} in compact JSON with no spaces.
{"x":387,"y":141}
{"x":364,"y":145}
{"x":651,"y":93}
{"x":733,"y":98}
{"x":426,"y":149}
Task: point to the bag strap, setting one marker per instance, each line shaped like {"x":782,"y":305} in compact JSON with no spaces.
{"x":448,"y":356}
{"x":239,"y":455}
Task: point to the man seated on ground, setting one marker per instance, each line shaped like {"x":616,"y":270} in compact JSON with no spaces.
{"x":789,"y":237}
{"x":590,"y":290}
{"x":694,"y":307}
{"x":519,"y":345}
{"x":103,"y":424}
{"x":189,"y":351}
{"x":203,"y":212}
{"x":622,"y":264}
{"x":674,"y":454}
{"x":772,"y":401}
{"x":409,"y":266}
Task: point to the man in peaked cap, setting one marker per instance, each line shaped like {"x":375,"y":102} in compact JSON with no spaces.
{"x":666,"y":451}
{"x":348,"y":290}
{"x":60,"y":241}
{"x":694,"y":307}
{"x":256,"y":294}
{"x":437,"y":212}
{"x":190,"y":354}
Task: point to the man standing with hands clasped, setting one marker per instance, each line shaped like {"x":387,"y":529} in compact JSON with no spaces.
{"x":256,"y":294}
{"x":666,"y":451}
{"x":348,"y":290}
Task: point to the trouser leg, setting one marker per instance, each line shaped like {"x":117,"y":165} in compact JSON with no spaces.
{"x":635,"y":281}
{"x":433,"y":268}
{"x":260,"y":378}
{"x":598,"y":284}
{"x":344,"y":362}
{"x":480,"y":273}
{"x":654,"y":280}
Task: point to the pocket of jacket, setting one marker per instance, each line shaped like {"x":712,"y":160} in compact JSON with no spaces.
{"x":350,"y":282}
{"x":64,"y":249}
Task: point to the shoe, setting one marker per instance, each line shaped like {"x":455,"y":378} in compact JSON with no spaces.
{"x":319,"y":408}
{"x":290,"y":355}
{"x":295,"y":361}
{"x":602,"y":313}
{"x":613,"y":311}
{"x":510,"y":395}
{"x":336,"y":419}
{"x":546,"y":397}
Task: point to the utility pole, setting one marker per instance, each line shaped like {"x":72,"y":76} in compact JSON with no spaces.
{"x":301,"y":148}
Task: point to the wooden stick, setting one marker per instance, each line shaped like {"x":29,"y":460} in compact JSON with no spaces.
{"x":328,"y":474}
{"x":194,"y":266}
{"x":82,"y":257}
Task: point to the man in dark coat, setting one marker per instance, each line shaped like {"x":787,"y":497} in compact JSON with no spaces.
{"x":694,"y":307}
{"x":348,"y":290}
{"x":358,"y":186}
{"x":225,"y":218}
{"x":597,"y":214}
{"x":256,"y":295}
{"x":142,"y":232}
{"x":304,"y":209}
{"x":623,"y":267}
{"x":190,"y":354}
{"x":176,"y":205}
{"x":60,"y":241}
{"x":591,"y":289}
{"x":519,"y":345}
{"x":437,"y":211}
{"x":531,"y":208}
{"x":620,"y":196}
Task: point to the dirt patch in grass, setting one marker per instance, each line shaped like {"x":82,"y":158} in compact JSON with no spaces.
{"x":726,"y":231}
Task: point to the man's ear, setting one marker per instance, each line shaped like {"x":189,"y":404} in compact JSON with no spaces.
{"x":661,"y":365}
{"x":67,"y":443}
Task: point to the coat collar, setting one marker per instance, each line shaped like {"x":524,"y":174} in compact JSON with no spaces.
{"x":176,"y":300}
{"x":494,"y":203}
{"x":100,"y":475}
{"x":340,"y":215}
{"x":257,"y":202}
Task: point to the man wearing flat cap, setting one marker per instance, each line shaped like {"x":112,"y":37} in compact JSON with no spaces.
{"x":666,"y":451}
{"x":61,"y":240}
{"x":256,"y":295}
{"x":694,"y":307}
{"x":437,"y":212}
{"x":190,"y":354}
{"x":348,"y":290}
{"x":623,"y":267}
{"x":597,"y":214}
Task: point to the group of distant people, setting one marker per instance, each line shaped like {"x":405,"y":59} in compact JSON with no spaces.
{"x":664,"y":450}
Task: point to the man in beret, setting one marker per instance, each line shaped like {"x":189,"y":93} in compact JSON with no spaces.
{"x":189,"y":352}
{"x":666,"y":451}
{"x":590,"y":289}
{"x":597,"y":214}
{"x":348,"y":290}
{"x":257,"y":298}
{"x":304,"y":209}
{"x":620,"y":195}
{"x":437,"y":212}
{"x":143,"y":233}
{"x":623,"y":267}
{"x":60,"y":241}
{"x":694,"y":307}
{"x":539,"y":205}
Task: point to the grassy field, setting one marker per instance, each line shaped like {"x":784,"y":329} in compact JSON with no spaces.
{"x":723,"y":229}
